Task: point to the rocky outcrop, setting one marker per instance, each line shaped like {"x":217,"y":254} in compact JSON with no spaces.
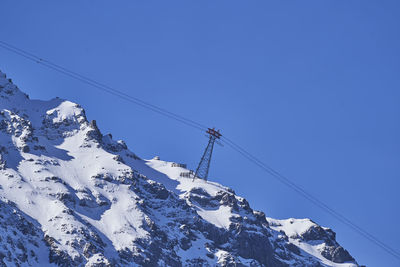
{"x":21,"y":239}
{"x":336,"y":254}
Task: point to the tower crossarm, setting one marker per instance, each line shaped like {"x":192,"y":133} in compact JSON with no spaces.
{"x":215,"y":133}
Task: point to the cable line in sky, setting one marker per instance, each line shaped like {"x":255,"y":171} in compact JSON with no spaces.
{"x":188,"y":122}
{"x":298,"y":189}
{"x":101,"y":86}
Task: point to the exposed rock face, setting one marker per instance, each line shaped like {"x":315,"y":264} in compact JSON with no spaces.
{"x":336,"y":254}
{"x":21,"y":240}
{"x":71,"y":196}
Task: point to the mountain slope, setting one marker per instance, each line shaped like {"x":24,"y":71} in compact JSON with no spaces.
{"x":71,"y":196}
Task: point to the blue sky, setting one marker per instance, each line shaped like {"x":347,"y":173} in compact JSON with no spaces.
{"x":310,"y":87}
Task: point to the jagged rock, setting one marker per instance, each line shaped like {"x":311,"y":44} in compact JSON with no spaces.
{"x":94,"y":132}
{"x":20,"y":239}
{"x":336,"y":254}
{"x":2,"y":162}
{"x":316,"y":232}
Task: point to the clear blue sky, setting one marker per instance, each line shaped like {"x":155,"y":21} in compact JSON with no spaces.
{"x":310,"y":87}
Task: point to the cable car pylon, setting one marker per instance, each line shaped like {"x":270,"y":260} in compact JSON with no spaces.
{"x":204,"y":165}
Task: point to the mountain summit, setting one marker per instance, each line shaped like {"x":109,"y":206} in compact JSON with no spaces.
{"x":71,"y":196}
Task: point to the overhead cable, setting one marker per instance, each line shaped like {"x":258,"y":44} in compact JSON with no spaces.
{"x":101,"y":86}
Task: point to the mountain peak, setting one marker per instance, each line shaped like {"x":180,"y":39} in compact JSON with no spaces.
{"x":71,"y":196}
{"x":8,"y":90}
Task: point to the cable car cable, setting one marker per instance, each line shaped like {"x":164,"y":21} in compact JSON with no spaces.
{"x":311,"y":198}
{"x":101,"y":86}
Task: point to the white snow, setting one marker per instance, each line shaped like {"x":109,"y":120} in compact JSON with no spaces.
{"x":292,"y":227}
{"x":219,"y":217}
{"x":183,"y":184}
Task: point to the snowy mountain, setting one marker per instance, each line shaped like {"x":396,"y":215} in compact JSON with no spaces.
{"x":71,"y":196}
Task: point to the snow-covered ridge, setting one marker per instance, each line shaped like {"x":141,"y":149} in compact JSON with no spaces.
{"x":76,"y":197}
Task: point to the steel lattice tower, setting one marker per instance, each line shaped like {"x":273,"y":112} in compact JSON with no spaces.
{"x":204,"y":165}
